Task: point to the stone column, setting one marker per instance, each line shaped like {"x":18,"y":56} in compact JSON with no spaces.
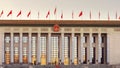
{"x":73,"y":47}
{"x":108,"y":47}
{"x":91,"y":48}
{"x":38,"y":48}
{"x":62,"y":47}
{"x":29,"y":56}
{"x":99,"y":48}
{"x":20,"y":48}
{"x":81,"y":46}
{"x":88,"y":48}
{"x":49,"y":48}
{"x":1,"y":46}
{"x":3,"y":51}
{"x":79,"y":50}
{"x":12,"y":53}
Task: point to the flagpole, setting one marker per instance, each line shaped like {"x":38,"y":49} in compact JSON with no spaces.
{"x":3,"y":15}
{"x":116,"y":15}
{"x":49,"y":15}
{"x":80,"y":14}
{"x":90,"y":15}
{"x":62,"y":15}
{"x":21,"y":15}
{"x":55,"y":14}
{"x":108,"y":16}
{"x":11,"y":16}
{"x":30,"y":14}
{"x":99,"y":14}
{"x":72,"y":14}
{"x":38,"y":15}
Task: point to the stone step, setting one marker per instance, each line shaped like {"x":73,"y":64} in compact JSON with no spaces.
{"x":60,"y":66}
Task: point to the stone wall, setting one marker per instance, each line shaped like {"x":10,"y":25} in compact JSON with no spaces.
{"x":1,"y":48}
{"x":114,"y":53}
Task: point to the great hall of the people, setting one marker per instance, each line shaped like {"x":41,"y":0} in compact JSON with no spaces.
{"x":59,"y":42}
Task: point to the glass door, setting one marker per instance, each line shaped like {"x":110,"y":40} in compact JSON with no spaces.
{"x":66,"y":50}
{"x":43,"y":40}
{"x":34,"y":48}
{"x":75,"y":50}
{"x":16,"y":48}
{"x":25,"y":48}
{"x":54,"y":49}
{"x":7,"y":43}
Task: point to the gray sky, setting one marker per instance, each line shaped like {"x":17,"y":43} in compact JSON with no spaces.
{"x":65,"y":6}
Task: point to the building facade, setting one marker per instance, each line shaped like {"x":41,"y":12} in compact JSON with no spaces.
{"x":50,"y":42}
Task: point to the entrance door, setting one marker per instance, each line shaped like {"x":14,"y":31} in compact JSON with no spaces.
{"x":34,"y":48}
{"x":55,"y":49}
{"x":66,"y":50}
{"x":16,"y":48}
{"x":25,"y":48}
{"x":43,"y":56}
{"x":7,"y":48}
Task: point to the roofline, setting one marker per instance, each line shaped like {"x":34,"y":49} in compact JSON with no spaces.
{"x":88,"y":23}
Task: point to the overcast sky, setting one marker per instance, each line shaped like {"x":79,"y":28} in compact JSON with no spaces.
{"x":65,"y":6}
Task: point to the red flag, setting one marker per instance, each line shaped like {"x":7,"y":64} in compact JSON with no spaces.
{"x":55,"y":11}
{"x":1,"y":13}
{"x":80,"y":14}
{"x":99,"y":14}
{"x":48,"y":14}
{"x":9,"y":13}
{"x":61,"y":15}
{"x":19,"y":13}
{"x":29,"y":14}
{"x":90,"y":14}
{"x":72,"y":14}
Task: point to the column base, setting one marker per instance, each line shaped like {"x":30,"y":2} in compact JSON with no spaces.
{"x":38,"y":63}
{"x":62,"y":63}
{"x":49,"y":63}
{"x":96,"y":62}
{"x":88,"y":62}
{"x":3,"y":62}
{"x":12,"y":63}
{"x":72,"y":63}
{"x":79,"y":62}
{"x":30,"y":63}
{"x":21,"y":63}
